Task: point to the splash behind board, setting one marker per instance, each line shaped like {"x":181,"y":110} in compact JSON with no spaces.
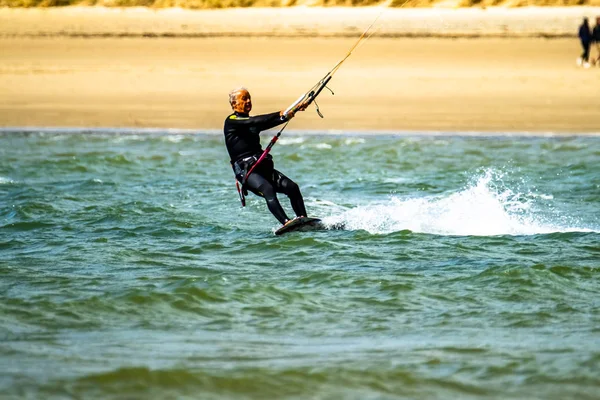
{"x":300,"y":224}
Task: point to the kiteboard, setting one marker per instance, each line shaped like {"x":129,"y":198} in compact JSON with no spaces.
{"x":300,"y":224}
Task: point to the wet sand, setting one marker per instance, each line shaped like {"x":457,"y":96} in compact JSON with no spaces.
{"x":493,"y":83}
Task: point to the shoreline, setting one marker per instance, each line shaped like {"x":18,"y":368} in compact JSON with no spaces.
{"x":132,"y":131}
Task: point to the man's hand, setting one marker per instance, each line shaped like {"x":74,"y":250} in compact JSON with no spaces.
{"x":289,"y":115}
{"x":302,"y":106}
{"x":292,"y":113}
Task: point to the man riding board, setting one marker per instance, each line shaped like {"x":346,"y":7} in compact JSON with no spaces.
{"x":242,"y":138}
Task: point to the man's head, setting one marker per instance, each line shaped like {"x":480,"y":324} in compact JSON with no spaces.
{"x":240,"y":100}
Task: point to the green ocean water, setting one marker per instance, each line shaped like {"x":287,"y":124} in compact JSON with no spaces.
{"x":468,"y":267}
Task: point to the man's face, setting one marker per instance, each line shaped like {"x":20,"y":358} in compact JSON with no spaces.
{"x":243,"y":102}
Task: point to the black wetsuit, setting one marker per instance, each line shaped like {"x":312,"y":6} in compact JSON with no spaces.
{"x":242,"y":138}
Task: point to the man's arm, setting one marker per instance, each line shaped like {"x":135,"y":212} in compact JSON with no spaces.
{"x":260,"y":122}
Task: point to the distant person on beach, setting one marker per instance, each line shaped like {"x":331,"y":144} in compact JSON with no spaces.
{"x":596,"y":39}
{"x":243,"y":145}
{"x":585,"y":36}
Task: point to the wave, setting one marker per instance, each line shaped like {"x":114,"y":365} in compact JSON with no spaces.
{"x":487,"y":207}
{"x":5,"y":181}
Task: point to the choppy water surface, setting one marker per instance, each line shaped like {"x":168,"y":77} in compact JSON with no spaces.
{"x":468,"y":268}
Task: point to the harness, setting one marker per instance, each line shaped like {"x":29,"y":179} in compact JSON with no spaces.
{"x":240,"y":169}
{"x":247,"y":168}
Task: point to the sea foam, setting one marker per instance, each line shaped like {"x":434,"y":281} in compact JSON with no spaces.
{"x":5,"y":181}
{"x":486,"y":207}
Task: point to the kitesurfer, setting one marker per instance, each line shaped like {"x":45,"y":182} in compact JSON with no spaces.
{"x":243,"y":144}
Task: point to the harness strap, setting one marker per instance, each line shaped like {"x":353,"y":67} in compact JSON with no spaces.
{"x":240,"y":168}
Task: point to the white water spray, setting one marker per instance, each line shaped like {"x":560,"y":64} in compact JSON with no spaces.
{"x":484,"y":208}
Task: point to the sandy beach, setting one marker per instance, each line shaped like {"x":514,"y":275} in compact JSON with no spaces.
{"x":494,"y":71}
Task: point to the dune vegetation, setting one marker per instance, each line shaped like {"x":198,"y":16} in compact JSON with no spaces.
{"x":208,"y":4}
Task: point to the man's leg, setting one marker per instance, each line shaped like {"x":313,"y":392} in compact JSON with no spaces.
{"x":288,"y":187}
{"x":260,"y":186}
{"x":586,"y":52}
{"x":583,"y":58}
